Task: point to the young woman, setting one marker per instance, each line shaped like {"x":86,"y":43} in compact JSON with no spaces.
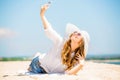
{"x":67,"y":55}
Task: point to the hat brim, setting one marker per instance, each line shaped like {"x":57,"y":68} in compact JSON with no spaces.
{"x":70,"y":28}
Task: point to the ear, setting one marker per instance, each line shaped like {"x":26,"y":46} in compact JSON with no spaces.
{"x":80,"y":42}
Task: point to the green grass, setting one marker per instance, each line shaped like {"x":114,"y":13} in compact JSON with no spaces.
{"x":15,"y":59}
{"x":28,"y":58}
{"x":97,"y":58}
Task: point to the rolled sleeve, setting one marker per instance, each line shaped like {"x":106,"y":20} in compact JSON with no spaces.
{"x":82,"y":62}
{"x":53,"y":35}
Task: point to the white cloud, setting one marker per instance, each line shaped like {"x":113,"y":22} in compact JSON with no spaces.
{"x":6,"y":33}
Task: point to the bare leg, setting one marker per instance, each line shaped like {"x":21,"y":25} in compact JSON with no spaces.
{"x":41,"y":55}
{"x":37,"y":54}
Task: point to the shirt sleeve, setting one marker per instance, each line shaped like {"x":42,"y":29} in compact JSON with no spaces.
{"x":53,"y":35}
{"x":82,"y":62}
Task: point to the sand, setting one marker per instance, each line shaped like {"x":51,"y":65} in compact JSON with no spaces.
{"x":91,"y":71}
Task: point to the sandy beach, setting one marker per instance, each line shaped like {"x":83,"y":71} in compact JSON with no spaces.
{"x":91,"y":71}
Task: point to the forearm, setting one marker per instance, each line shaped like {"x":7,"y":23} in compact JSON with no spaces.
{"x":42,"y":15}
{"x":74,"y":70}
{"x":44,"y":21}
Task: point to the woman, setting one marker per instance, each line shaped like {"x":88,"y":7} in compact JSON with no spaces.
{"x":67,"y":55}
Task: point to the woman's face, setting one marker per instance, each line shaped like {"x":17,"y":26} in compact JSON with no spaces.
{"x":76,"y":37}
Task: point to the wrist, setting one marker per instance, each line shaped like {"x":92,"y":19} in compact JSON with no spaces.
{"x":41,"y":14}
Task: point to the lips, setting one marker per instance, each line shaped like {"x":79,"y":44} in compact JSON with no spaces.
{"x":76,"y":37}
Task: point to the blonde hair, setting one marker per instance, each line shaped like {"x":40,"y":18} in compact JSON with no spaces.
{"x":69,"y":61}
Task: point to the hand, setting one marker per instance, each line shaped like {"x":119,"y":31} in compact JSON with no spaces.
{"x":43,"y":9}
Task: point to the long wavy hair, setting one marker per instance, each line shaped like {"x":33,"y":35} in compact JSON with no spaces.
{"x":67,"y":58}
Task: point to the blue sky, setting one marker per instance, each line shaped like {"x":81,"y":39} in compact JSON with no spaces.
{"x":22,"y":33}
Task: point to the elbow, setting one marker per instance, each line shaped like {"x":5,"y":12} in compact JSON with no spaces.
{"x":75,"y":70}
{"x":69,"y":73}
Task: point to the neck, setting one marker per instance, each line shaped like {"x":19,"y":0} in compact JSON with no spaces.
{"x":74,"y":45}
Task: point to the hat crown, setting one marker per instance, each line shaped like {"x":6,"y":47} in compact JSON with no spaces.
{"x":70,"y":28}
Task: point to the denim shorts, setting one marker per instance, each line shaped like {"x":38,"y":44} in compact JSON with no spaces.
{"x":35,"y":66}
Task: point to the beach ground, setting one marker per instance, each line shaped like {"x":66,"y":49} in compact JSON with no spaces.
{"x":91,"y":71}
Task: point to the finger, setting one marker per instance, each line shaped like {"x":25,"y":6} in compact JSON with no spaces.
{"x":45,"y":6}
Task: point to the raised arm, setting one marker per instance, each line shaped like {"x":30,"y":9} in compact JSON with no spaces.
{"x":50,"y":32}
{"x":43,"y":18}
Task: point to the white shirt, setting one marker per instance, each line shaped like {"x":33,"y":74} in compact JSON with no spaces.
{"x":52,"y":61}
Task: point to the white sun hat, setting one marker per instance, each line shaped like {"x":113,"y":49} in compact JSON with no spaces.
{"x":70,"y":28}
